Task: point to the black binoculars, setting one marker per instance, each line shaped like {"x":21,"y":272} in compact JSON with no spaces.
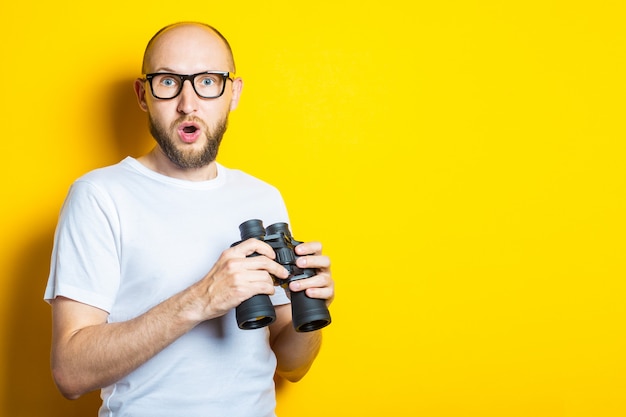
{"x":308,"y":313}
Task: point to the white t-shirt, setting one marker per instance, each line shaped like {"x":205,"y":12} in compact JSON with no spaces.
{"x":127,"y":239}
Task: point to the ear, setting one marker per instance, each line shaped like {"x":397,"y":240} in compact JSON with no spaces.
{"x":140,"y":92}
{"x":237,"y":88}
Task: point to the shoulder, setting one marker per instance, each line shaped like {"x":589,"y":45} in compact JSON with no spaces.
{"x":239,"y":177}
{"x":96,"y":187}
{"x":111,"y":173}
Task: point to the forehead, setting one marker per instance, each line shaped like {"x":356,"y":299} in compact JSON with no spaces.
{"x":188,"y":49}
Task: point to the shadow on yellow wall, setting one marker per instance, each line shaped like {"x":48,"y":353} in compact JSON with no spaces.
{"x":30,"y":391}
{"x":129,"y":126}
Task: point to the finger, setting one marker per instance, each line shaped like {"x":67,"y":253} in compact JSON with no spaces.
{"x":309,"y":248}
{"x":316,"y":281}
{"x":313,"y":261}
{"x":250,"y":246}
{"x":319,"y":286}
{"x":265,"y":264}
{"x":257,"y":282}
{"x":322,"y":293}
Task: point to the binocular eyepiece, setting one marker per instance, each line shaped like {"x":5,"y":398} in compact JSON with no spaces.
{"x":308,"y":313}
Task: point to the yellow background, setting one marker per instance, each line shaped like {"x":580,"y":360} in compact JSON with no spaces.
{"x":462,"y":161}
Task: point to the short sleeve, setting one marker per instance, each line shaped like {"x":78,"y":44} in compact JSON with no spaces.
{"x":85,"y":264}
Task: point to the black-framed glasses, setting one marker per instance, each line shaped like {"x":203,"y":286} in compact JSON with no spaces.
{"x":208,"y":84}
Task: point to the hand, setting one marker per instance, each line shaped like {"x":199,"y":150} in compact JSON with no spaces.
{"x":318,"y":286}
{"x":236,"y":276}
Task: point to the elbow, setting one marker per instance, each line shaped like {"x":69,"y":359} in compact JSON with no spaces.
{"x":70,"y":396}
{"x":294,"y":375}
{"x":66,"y":384}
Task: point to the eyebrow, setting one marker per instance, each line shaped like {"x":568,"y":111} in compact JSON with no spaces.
{"x":165,"y":69}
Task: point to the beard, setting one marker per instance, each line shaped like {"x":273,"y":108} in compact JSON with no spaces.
{"x":189,"y":158}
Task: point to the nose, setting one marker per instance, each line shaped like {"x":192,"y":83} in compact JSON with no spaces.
{"x":187,"y":99}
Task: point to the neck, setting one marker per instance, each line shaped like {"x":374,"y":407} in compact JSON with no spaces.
{"x":157,"y":161}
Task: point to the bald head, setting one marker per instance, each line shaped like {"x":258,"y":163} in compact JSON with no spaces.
{"x":185,"y":36}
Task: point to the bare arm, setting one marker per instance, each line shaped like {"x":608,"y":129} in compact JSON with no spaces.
{"x":295,"y":352}
{"x":88,"y":353}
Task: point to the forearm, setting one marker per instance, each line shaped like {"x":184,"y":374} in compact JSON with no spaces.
{"x":295,"y":352}
{"x":99,"y":354}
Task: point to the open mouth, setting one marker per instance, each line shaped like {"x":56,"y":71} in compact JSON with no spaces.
{"x":189,"y":132}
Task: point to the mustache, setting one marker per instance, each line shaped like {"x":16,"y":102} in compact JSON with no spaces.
{"x":189,"y":119}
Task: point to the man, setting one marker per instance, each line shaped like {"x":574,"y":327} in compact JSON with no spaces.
{"x":144,"y":283}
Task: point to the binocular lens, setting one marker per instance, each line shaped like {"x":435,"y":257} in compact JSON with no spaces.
{"x":308,"y":314}
{"x":255,"y":312}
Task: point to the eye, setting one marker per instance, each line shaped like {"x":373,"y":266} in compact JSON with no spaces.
{"x":168,"y":81}
{"x":207,"y":81}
